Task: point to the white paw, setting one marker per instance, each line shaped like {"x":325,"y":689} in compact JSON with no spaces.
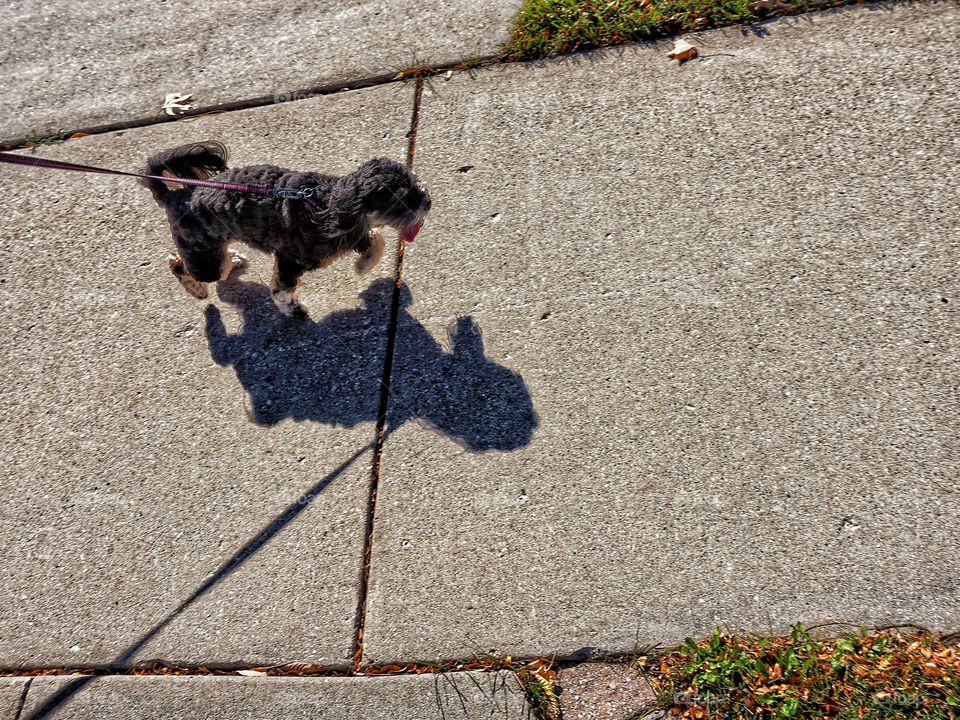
{"x":288,"y":303}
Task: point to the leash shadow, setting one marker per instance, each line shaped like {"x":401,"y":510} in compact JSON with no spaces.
{"x":330,"y":371}
{"x":51,"y":704}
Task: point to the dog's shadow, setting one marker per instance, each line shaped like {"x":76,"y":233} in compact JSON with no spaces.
{"x":330,"y":370}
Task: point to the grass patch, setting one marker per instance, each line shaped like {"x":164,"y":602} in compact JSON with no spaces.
{"x":551,"y":27}
{"x":537,"y":679}
{"x":857,"y":676}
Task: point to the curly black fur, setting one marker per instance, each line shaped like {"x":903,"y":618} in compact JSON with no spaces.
{"x":302,"y":234}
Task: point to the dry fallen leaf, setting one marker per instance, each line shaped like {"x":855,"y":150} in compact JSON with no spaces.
{"x":252,"y":673}
{"x":551,"y":705}
{"x":682,"y":51}
{"x":299,"y":668}
{"x":176,"y":103}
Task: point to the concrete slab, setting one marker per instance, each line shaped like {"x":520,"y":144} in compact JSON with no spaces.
{"x":183,"y":479}
{"x":88,"y":63}
{"x":604,"y":691}
{"x":408,"y":697}
{"x":730,"y":291}
{"x":12,"y":695}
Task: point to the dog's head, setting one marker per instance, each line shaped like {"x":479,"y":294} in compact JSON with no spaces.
{"x":390,"y":195}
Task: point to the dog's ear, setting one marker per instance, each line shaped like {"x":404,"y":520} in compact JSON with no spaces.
{"x":377,"y":186}
{"x":344,"y":209}
{"x":378,"y":197}
{"x":381,"y":183}
{"x":381,"y":168}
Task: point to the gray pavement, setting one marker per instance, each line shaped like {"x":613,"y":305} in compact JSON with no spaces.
{"x":464,"y":696}
{"x":89,"y":63}
{"x":730,"y":291}
{"x":12,"y":694}
{"x":152,"y":441}
{"x":676,"y":349}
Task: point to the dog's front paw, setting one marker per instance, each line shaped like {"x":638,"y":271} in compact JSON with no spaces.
{"x":238,"y":260}
{"x":195,"y":288}
{"x":288,"y":303}
{"x":372,"y":256}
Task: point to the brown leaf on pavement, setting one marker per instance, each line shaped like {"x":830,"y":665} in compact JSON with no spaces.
{"x":683,"y":51}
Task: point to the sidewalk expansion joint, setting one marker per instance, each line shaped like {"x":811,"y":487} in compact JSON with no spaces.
{"x":288,"y":669}
{"x":536,"y":676}
{"x":507,"y":55}
{"x":392,"y":329}
{"x":413,"y":73}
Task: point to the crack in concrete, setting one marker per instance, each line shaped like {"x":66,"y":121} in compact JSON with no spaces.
{"x":290,"y":669}
{"x":384,"y":403}
{"x":63,"y":135}
{"x":419,"y":72}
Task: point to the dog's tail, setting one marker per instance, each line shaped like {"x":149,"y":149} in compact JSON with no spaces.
{"x":200,"y":160}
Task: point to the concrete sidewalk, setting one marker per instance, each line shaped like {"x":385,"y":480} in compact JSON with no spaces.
{"x":731,"y":290}
{"x":459,"y":696}
{"x":677,"y":348}
{"x":86,"y":63}
{"x":158,"y":447}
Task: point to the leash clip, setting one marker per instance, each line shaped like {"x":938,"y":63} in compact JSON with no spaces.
{"x":296,"y":193}
{"x":289,"y":193}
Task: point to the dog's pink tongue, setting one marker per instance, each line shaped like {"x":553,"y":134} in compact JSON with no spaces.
{"x":409,"y":233}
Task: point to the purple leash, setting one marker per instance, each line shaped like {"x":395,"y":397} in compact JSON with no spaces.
{"x":290,"y":193}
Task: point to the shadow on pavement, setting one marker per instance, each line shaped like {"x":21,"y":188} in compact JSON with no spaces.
{"x":329,"y":370}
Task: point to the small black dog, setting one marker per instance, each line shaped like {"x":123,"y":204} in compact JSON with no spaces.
{"x":302,"y":234}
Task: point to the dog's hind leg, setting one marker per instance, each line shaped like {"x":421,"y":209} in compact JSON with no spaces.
{"x":190,"y":284}
{"x":371,"y":256}
{"x":283,"y":286}
{"x":200,"y":256}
